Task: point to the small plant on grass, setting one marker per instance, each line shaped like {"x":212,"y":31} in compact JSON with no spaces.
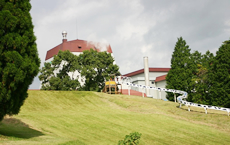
{"x":131,"y":139}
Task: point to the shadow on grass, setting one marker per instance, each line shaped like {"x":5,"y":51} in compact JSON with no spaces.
{"x":74,"y":142}
{"x":12,"y":127}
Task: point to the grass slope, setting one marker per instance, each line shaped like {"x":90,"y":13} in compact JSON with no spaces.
{"x":58,"y":117}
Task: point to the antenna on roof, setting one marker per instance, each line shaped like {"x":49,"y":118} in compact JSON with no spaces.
{"x":64,"y":34}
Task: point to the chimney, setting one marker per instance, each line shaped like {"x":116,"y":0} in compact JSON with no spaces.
{"x":64,"y":34}
{"x":146,"y":71}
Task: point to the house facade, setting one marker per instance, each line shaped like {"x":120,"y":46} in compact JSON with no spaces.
{"x":76,"y":47}
{"x":157,"y":78}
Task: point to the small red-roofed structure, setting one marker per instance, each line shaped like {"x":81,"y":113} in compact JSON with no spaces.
{"x":157,"y":78}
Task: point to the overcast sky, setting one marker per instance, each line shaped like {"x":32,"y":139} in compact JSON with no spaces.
{"x":133,"y":28}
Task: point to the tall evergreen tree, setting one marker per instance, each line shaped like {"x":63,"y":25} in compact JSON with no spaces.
{"x":19,"y":62}
{"x":200,"y":80}
{"x":180,"y":75}
{"x":220,"y":77}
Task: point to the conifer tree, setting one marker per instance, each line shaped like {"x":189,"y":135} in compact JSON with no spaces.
{"x":220,"y":77}
{"x":19,"y":62}
{"x":200,"y":80}
{"x":180,"y":75}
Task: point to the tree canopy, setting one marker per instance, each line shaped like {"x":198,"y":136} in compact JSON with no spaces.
{"x":219,"y":76}
{"x":179,"y":76}
{"x":92,"y":68}
{"x":200,"y":79}
{"x":19,"y":61}
{"x":60,"y":74}
{"x":96,"y":68}
{"x":205,"y":77}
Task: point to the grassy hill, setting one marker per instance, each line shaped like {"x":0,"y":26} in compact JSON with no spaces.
{"x":58,"y":117}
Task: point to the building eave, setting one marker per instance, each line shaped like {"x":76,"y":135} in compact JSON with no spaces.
{"x":150,"y":70}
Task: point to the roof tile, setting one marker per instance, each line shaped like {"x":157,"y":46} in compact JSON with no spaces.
{"x":77,"y":46}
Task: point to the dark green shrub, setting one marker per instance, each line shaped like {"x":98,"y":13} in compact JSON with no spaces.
{"x":131,"y":139}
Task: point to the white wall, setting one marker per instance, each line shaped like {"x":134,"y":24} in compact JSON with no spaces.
{"x":140,"y":80}
{"x":162,"y":84}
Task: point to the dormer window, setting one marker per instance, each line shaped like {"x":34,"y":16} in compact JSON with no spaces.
{"x":79,"y":46}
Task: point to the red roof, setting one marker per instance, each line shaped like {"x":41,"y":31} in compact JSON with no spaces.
{"x":160,"y":78}
{"x":150,"y":70}
{"x":77,"y":46}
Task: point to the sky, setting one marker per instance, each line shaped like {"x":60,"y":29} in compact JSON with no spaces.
{"x":133,"y":28}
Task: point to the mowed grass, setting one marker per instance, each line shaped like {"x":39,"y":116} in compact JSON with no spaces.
{"x":59,"y":117}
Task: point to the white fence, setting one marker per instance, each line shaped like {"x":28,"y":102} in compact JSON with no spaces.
{"x":180,"y":99}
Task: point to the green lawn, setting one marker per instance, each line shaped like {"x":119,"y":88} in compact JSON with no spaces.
{"x":58,"y":117}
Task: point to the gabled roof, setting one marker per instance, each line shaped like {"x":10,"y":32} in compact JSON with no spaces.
{"x":77,"y":46}
{"x":150,"y":70}
{"x":160,"y":78}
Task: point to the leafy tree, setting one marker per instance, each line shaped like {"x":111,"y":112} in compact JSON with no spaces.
{"x":131,"y":139}
{"x":200,"y":80}
{"x":19,"y":61}
{"x":220,"y":77}
{"x":180,"y":75}
{"x":95,"y":68}
{"x":60,"y":75}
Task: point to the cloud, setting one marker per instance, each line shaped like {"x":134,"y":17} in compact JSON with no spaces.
{"x":133,"y":29}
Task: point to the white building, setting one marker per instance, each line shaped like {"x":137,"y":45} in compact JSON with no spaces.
{"x":76,"y":47}
{"x":157,"y":78}
{"x":156,"y":75}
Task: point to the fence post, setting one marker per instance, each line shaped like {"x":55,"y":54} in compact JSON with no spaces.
{"x":174,"y":97}
{"x":143,"y":92}
{"x":206,"y":112}
{"x":129,"y":90}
